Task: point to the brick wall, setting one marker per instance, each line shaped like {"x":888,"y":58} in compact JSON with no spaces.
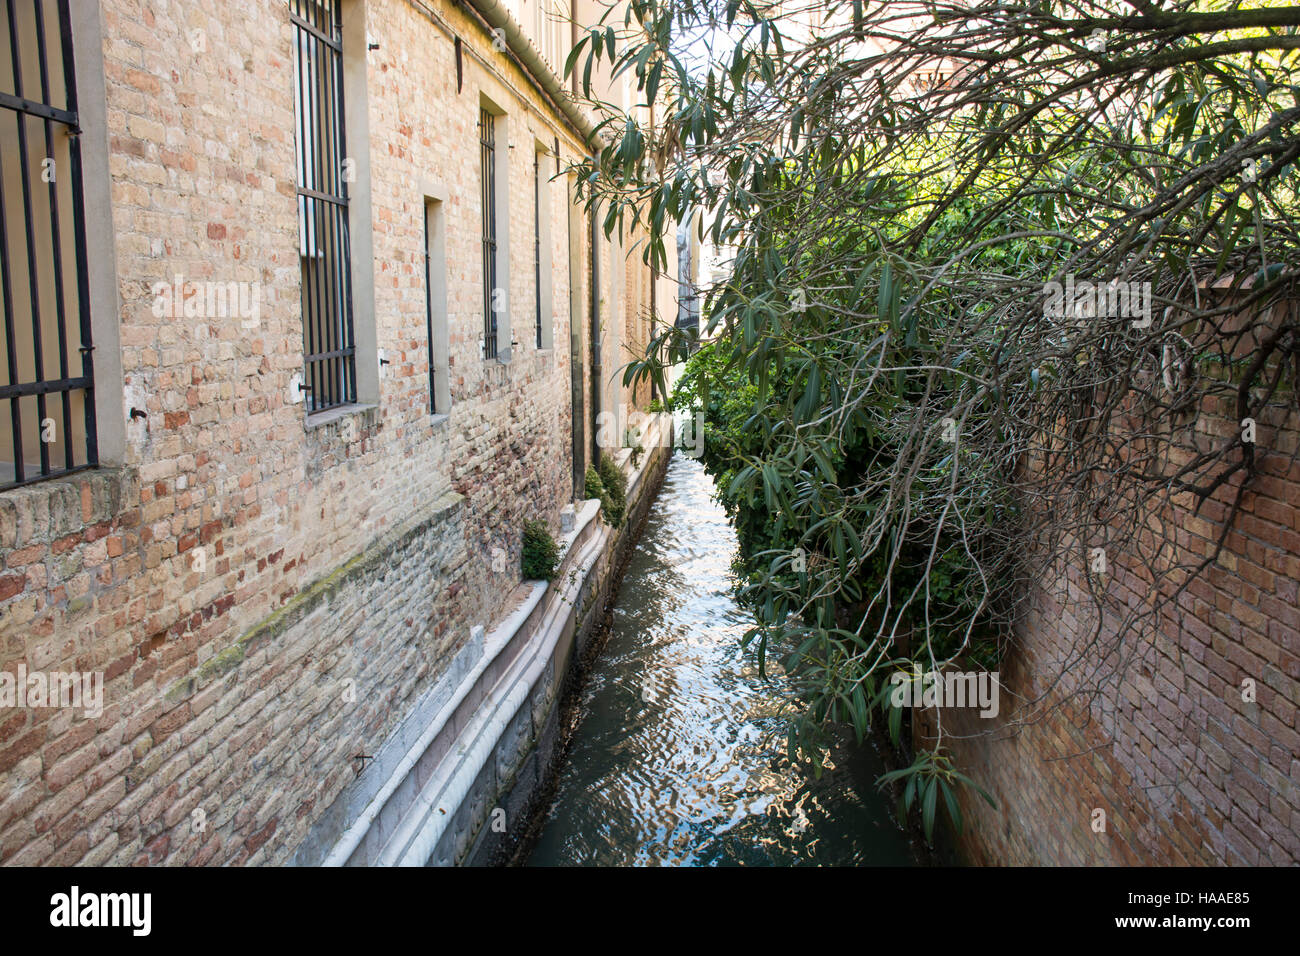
{"x":266,"y":596}
{"x":1154,"y":729}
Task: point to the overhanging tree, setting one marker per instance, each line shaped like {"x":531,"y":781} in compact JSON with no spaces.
{"x":1001,"y":269}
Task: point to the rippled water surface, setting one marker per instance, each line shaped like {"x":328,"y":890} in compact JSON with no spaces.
{"x":678,"y":758}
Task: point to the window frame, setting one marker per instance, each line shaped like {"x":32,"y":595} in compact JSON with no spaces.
{"x":543,"y":239}
{"x":330,"y":350}
{"x":494,"y":207}
{"x":488,"y":234}
{"x":436,"y":317}
{"x":21,"y":108}
{"x":537,"y":244}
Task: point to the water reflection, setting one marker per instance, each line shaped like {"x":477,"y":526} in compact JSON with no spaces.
{"x":678,"y":759}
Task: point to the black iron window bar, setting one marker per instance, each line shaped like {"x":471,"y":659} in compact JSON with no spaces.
{"x":47,"y":338}
{"x":324,"y":171}
{"x":487,"y":142}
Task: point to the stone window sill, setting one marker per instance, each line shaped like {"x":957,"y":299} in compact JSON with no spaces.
{"x":319,"y":419}
{"x":45,"y":511}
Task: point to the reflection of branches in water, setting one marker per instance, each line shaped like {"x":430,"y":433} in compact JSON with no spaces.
{"x":1123,"y":145}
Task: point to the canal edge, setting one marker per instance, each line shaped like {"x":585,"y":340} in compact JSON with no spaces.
{"x":527,"y":798}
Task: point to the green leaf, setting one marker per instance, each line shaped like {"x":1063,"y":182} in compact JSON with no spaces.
{"x":927,"y":808}
{"x":573,"y":55}
{"x":954,"y":810}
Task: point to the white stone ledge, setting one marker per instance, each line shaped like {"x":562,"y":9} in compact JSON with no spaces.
{"x":490,"y":678}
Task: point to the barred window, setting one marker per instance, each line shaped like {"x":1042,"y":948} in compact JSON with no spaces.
{"x":487,"y":143}
{"x":47,"y":411}
{"x":537,"y":240}
{"x":543,"y":253}
{"x":324,"y":172}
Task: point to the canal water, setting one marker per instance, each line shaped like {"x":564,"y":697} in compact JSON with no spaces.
{"x":678,"y":756}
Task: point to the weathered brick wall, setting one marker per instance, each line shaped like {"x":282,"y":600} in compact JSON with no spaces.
{"x":359,"y":550}
{"x":1153,"y":729}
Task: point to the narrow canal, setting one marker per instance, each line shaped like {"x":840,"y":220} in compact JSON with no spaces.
{"x":678,"y":756}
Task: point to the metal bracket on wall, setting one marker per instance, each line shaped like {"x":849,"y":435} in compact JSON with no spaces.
{"x":460,"y":66}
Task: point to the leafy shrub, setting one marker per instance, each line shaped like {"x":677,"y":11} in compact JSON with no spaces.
{"x":810,"y":515}
{"x":615,"y":482}
{"x":612,"y":477}
{"x":594,"y":487}
{"x":611,"y":509}
{"x":540,"y":552}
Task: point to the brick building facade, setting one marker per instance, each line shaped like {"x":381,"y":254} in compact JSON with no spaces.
{"x":312,"y":472}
